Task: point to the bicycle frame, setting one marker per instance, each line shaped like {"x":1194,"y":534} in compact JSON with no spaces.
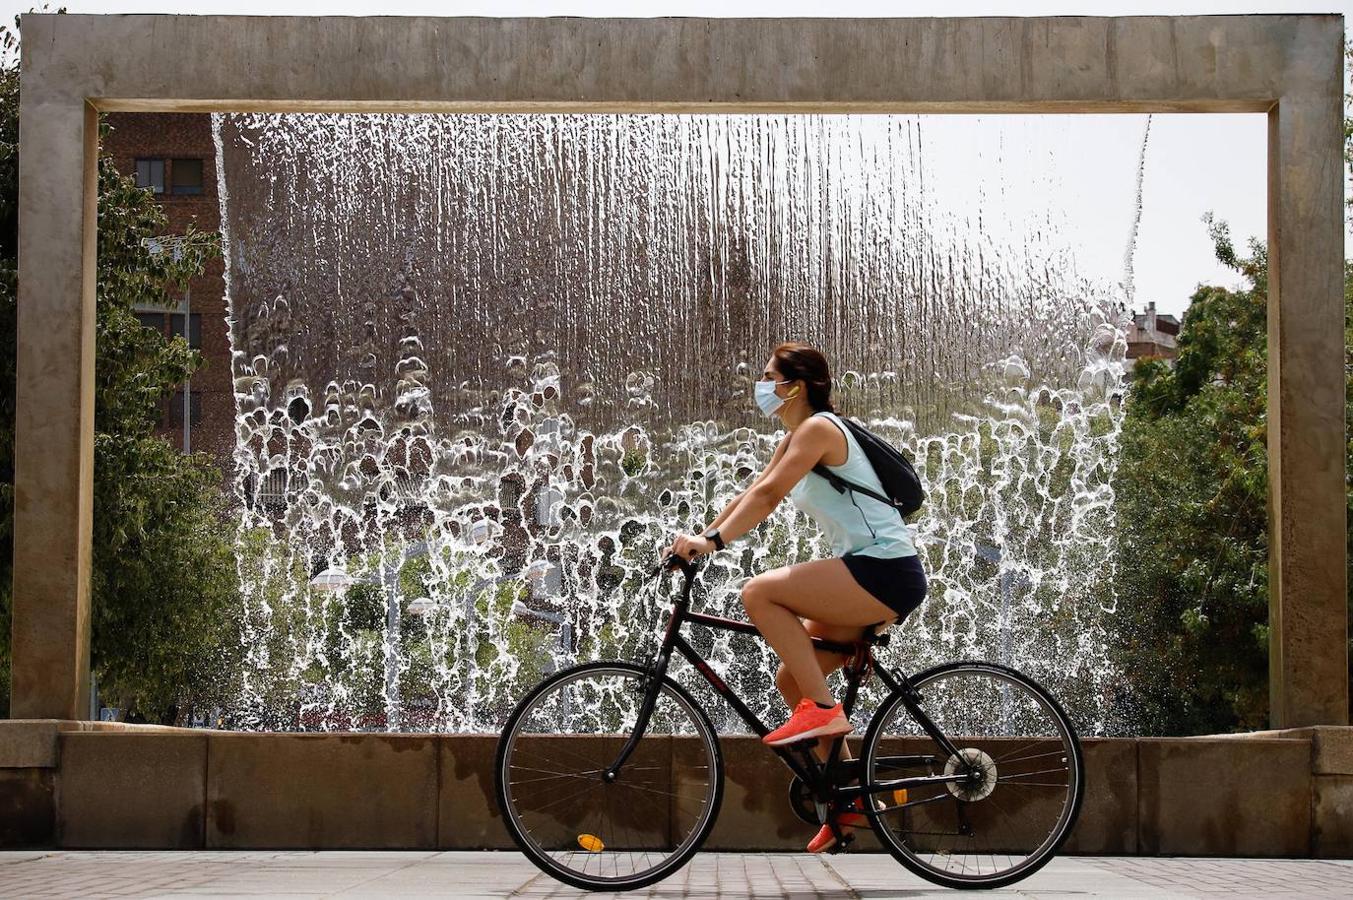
{"x":820,"y":777}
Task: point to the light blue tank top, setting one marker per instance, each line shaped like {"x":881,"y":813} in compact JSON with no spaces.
{"x":853,"y":522}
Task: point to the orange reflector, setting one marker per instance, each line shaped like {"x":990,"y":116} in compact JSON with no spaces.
{"x":900,"y":796}
{"x":591,"y":843}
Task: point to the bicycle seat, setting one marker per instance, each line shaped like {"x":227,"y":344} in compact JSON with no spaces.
{"x":877,"y":638}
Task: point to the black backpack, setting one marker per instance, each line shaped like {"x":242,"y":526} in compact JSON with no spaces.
{"x":894,"y":470}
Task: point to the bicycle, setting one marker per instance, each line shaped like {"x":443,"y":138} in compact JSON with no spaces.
{"x":609,"y":775}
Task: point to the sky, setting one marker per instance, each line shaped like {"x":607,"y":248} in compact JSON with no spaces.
{"x":1085,"y":165}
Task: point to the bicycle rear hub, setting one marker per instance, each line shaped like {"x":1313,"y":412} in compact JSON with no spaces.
{"x":981,"y":772}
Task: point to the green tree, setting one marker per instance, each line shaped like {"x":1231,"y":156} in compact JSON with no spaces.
{"x":164,"y":596}
{"x":1192,"y":509}
{"x":1193,"y":506}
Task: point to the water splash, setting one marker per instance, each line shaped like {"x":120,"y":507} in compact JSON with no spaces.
{"x":486,"y":366}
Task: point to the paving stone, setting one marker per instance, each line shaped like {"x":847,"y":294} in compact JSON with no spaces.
{"x":483,"y":875}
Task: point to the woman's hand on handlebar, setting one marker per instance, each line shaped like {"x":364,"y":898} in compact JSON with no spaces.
{"x":689,"y":546}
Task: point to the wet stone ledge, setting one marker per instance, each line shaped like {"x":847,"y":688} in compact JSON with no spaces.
{"x":1268,"y":794}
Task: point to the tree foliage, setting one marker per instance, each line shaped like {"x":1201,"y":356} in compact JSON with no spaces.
{"x":1192,"y":512}
{"x":1193,"y":506}
{"x":164,"y":601}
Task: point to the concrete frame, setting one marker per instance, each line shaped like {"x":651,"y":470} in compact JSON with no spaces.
{"x":1289,"y":67}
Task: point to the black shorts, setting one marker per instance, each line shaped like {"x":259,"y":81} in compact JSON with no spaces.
{"x":899,"y":582}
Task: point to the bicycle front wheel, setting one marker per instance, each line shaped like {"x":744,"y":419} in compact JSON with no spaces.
{"x":574,"y":819}
{"x":1023,"y":776}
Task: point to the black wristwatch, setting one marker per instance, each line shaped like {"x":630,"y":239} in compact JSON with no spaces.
{"x":713,"y":535}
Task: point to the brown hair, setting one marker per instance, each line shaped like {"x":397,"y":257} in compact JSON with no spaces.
{"x":799,"y":361}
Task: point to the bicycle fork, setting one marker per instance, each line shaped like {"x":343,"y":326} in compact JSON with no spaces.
{"x":651,"y":685}
{"x":652,"y":682}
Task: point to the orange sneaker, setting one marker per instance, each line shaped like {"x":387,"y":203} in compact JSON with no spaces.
{"x":846,"y":821}
{"x":808,"y":721}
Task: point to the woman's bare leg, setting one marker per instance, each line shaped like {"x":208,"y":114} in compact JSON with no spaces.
{"x":822,"y":590}
{"x":829,"y":662}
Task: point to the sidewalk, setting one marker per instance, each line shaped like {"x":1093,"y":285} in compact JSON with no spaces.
{"x":473,"y":876}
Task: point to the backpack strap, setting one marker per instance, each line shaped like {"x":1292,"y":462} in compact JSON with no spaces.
{"x":841,"y":484}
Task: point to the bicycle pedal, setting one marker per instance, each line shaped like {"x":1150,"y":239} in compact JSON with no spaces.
{"x":842,"y":845}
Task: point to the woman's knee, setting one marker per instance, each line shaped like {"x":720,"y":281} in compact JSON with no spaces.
{"x":754,"y":594}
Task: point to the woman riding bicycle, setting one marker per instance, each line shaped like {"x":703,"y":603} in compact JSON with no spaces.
{"x":874,"y":579}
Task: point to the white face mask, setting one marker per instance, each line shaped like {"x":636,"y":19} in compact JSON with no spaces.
{"x":766,"y":398}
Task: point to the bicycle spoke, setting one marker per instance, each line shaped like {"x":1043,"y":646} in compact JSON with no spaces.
{"x":552,"y":772}
{"x":573,"y":796}
{"x":517,"y":782}
{"x":1021,"y":749}
{"x":1005,"y":778}
{"x":1034,"y":756}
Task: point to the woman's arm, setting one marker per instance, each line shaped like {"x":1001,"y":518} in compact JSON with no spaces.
{"x":796,"y":460}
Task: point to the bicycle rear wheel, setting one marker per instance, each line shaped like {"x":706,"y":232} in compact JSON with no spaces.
{"x":1024,"y":776}
{"x":557,"y":803}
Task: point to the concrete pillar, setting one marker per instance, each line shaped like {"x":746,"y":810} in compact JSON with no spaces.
{"x":54,"y":423}
{"x":1308,"y":590}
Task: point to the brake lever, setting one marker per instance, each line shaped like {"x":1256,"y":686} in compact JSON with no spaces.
{"x":671,"y":561}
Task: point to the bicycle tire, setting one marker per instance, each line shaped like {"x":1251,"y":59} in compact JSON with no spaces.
{"x":1042,"y":854}
{"x":537,"y":855}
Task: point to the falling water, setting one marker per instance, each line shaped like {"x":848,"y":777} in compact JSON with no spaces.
{"x":1130,"y":254}
{"x":487,"y":365}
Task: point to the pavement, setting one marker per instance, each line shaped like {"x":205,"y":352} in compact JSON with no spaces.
{"x":478,"y":876}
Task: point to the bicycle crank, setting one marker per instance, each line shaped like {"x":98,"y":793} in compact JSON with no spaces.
{"x":805,"y":804}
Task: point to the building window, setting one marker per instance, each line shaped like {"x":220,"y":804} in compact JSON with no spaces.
{"x":187,"y":176}
{"x":171,"y":325}
{"x":194,"y":334}
{"x":152,"y":320}
{"x":194,"y":409}
{"x":150,"y":174}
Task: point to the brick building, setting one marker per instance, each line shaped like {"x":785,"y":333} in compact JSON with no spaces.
{"x":175,"y":156}
{"x":1153,"y":334}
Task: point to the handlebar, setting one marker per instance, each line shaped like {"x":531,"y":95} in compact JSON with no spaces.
{"x":671,"y":561}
